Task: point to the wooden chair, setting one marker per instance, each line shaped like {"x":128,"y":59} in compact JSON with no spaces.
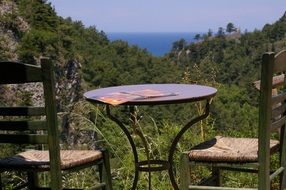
{"x":248,"y":154}
{"x":32,"y":130}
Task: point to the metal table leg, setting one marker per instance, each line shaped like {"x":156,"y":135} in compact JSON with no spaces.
{"x":145,"y":165}
{"x":176,"y":140}
{"x":132,"y":144}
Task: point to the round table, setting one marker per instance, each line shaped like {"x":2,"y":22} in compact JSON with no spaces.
{"x":159,"y":94}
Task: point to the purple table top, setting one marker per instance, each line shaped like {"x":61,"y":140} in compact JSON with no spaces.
{"x":184,"y":93}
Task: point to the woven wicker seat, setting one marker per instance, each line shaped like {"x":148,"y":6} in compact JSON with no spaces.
{"x":34,"y":127}
{"x":227,"y":149}
{"x":252,"y":155}
{"x":39,"y":160}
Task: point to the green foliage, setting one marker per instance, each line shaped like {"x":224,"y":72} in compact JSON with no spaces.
{"x":220,"y":32}
{"x":179,"y":45}
{"x":39,"y":14}
{"x":197,"y":37}
{"x":228,"y":63}
{"x":37,"y":43}
{"x":10,"y":21}
{"x":234,"y":116}
{"x":230,"y":28}
{"x":42,"y":39}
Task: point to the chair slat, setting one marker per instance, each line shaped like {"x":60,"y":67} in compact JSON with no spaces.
{"x":24,"y":139}
{"x":277,"y":124}
{"x":278,"y":98}
{"x":276,"y":82}
{"x":278,"y":111}
{"x":22,"y":111}
{"x":23,"y":125}
{"x":279,"y":63}
{"x":24,"y":73}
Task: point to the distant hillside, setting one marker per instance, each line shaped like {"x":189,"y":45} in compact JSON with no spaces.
{"x":85,"y":59}
{"x":236,"y":59}
{"x":31,"y":29}
{"x":234,"y":64}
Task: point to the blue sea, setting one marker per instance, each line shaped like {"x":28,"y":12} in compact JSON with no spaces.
{"x":158,"y":44}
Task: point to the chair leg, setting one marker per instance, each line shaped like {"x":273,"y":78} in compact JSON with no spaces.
{"x":217,"y":176}
{"x":33,"y":181}
{"x":184,"y":172}
{"x":283,"y":181}
{"x":283,"y":158}
{"x":106,"y":172}
{"x":1,"y":187}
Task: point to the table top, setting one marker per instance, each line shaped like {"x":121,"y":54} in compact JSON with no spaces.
{"x":174,"y":93}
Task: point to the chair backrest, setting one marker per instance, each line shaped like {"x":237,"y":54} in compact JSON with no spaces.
{"x":29,"y":130}
{"x":272,"y":109}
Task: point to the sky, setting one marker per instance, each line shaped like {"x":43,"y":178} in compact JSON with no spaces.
{"x":170,"y":15}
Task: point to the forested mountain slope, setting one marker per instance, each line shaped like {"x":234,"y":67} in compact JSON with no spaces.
{"x":233,"y":63}
{"x":85,"y":59}
{"x":31,"y":29}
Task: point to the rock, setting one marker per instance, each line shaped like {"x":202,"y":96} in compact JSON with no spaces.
{"x":10,"y":26}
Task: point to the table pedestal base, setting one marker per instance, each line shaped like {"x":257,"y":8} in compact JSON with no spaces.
{"x":157,"y":165}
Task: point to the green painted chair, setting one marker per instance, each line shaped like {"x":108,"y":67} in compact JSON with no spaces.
{"x":27,"y":129}
{"x":248,"y":154}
